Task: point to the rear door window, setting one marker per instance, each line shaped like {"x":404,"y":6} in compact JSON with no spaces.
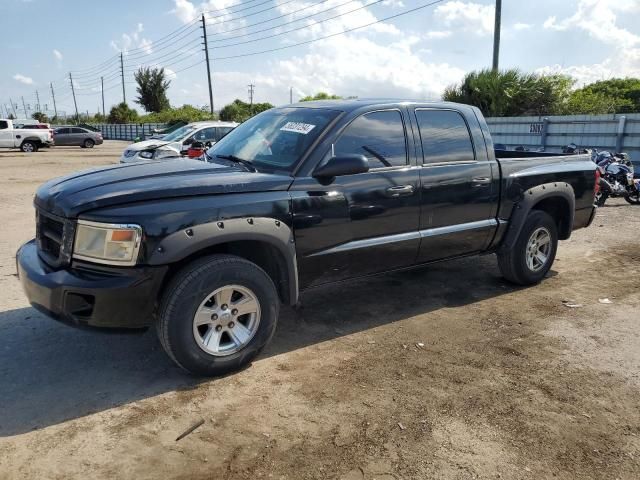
{"x":78,"y":130}
{"x":4,"y":125}
{"x":63,"y":131}
{"x":445,"y":136}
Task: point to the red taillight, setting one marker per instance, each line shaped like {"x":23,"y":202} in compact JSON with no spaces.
{"x":596,"y":187}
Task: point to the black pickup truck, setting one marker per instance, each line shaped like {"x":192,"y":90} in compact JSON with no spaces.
{"x":293,"y":198}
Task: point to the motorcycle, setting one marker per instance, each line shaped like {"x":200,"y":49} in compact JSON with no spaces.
{"x":616,"y":178}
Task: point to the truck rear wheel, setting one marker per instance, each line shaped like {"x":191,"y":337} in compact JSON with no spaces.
{"x":217,"y":314}
{"x":29,"y":146}
{"x":534,"y":251}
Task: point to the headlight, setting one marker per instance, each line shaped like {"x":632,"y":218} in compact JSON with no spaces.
{"x":165,"y":153}
{"x":146,"y":154}
{"x":111,"y":244}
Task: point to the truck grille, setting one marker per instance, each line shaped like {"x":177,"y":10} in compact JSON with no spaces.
{"x":54,"y":237}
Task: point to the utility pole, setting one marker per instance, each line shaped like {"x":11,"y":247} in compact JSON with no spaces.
{"x":206,"y":55}
{"x":290,"y":94}
{"x":124,"y":95}
{"x":102,"y":89}
{"x":53,"y":95}
{"x":73,"y":91}
{"x":37,"y":101}
{"x":496,"y":35}
{"x":251,"y":87}
{"x":26,"y":115}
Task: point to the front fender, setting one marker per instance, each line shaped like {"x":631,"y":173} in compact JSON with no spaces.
{"x":185,"y":242}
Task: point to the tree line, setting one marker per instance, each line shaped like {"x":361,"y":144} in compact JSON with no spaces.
{"x":509,"y":93}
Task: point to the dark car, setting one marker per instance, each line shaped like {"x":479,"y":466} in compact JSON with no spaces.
{"x":293,"y":198}
{"x":76,"y":137}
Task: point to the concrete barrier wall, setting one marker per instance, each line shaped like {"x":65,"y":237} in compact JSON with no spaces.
{"x":619,"y":132}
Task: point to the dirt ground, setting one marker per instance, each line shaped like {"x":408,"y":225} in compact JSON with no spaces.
{"x":446,"y":372}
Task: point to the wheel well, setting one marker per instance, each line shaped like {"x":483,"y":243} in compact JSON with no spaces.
{"x":263,"y":254}
{"x":560,"y":211}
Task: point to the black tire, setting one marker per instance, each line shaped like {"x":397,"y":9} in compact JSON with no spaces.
{"x":513,"y":262}
{"x":29,"y":146}
{"x":633,"y":199}
{"x":184,"y":295}
{"x":88,"y":143}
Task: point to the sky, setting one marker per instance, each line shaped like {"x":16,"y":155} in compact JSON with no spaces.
{"x":411,"y":56}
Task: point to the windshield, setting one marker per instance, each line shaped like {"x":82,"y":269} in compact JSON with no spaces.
{"x":275,"y":139}
{"x":180,"y":133}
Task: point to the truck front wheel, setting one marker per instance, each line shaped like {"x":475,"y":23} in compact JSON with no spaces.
{"x":217,"y":314}
{"x":28,"y":146}
{"x":533,"y":253}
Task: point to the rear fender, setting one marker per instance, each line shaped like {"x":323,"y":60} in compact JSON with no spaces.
{"x":529,"y":200}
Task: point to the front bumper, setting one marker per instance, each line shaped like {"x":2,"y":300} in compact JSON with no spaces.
{"x":90,"y":295}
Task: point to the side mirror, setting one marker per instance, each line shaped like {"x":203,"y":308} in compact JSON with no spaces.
{"x":197,"y":145}
{"x":349,"y":164}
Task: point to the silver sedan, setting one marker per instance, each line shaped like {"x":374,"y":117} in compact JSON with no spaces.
{"x":76,"y":137}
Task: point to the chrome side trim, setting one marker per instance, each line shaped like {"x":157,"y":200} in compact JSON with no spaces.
{"x":408,"y":236}
{"x":461,"y":227}
{"x":370,"y":242}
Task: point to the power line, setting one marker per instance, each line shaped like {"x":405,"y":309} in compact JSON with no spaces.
{"x":244,"y":27}
{"x":391,"y":17}
{"x":302,"y":27}
{"x":152,"y":49}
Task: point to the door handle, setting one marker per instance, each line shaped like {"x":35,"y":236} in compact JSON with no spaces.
{"x":480,"y":181}
{"x":400,"y":190}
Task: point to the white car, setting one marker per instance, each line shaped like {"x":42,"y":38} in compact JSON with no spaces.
{"x":177,"y":142}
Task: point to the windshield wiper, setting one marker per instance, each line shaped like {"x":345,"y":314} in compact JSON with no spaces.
{"x":239,"y":160}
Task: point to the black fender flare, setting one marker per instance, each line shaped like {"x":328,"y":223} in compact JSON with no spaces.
{"x":189,"y":240}
{"x":32,"y":139}
{"x":532,"y":197}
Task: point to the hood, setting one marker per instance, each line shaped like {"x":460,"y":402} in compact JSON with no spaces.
{"x":151,"y":144}
{"x":109,"y":186}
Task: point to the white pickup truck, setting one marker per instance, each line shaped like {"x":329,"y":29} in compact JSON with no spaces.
{"x":26,"y":139}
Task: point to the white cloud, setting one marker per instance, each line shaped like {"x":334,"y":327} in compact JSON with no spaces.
{"x":598,"y":18}
{"x":184,"y":10}
{"x":439,"y":34}
{"x":522,"y":26}
{"x":468,"y":16}
{"x":359,"y":67}
{"x":23,"y":79}
{"x":133,"y":40}
{"x":170,"y":74}
{"x":57,"y":54}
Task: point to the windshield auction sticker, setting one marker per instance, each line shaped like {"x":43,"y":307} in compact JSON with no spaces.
{"x":297,"y":127}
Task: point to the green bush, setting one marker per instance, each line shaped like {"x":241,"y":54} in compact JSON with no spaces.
{"x":121,"y":113}
{"x":186,"y":113}
{"x":239,"y":111}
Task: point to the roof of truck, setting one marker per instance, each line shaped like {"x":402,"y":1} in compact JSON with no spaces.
{"x":356,"y":103}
